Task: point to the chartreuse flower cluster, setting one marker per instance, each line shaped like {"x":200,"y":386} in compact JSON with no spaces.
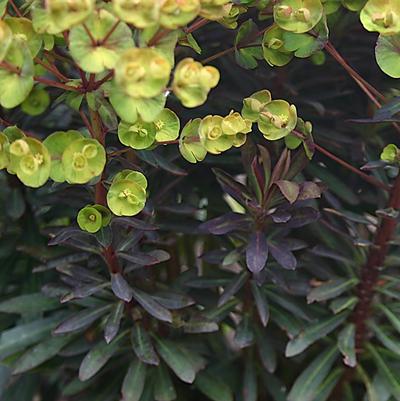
{"x":142,"y":135}
{"x":93,"y":217}
{"x":170,"y":14}
{"x":299,"y":30}
{"x":276,"y":119}
{"x":63,"y":156}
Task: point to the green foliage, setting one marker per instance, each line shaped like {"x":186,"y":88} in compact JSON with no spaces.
{"x":197,"y":201}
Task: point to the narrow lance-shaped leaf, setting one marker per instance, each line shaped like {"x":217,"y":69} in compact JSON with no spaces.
{"x":176,"y":359}
{"x":312,"y":334}
{"x":213,"y":387}
{"x":225,"y":224}
{"x":331,"y":289}
{"x":19,"y":337}
{"x":346,"y":344}
{"x":164,"y":389}
{"x":266,"y":351}
{"x":152,"y":306}
{"x":40,"y":353}
{"x":142,"y":345}
{"x":113,"y":322}
{"x":389,"y":375}
{"x":306,"y":385}
{"x":282,"y":255}
{"x":121,"y":288}
{"x":81,"y":320}
{"x":134,"y":381}
{"x":257,"y":252}
{"x":390,"y":343}
{"x":97,"y":357}
{"x":391,"y":316}
{"x":249,"y":389}
{"x":233,"y":287}
{"x":261,"y":303}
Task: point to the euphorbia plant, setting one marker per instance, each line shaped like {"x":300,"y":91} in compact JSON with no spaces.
{"x":201,"y":240}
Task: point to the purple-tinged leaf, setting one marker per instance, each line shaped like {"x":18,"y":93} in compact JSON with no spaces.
{"x":81,"y":320}
{"x":83,"y":291}
{"x":290,"y":190}
{"x":173,"y":300}
{"x":121,"y":288}
{"x":281,"y":167}
{"x":142,"y":345}
{"x":302,"y":216}
{"x":134,"y":223}
{"x":66,"y":233}
{"x":225,"y":224}
{"x":235,"y":189}
{"x":281,"y":216}
{"x":233,"y":287}
{"x":283,"y":255}
{"x":146,"y":259}
{"x":152,"y":306}
{"x":265,"y":160}
{"x":113,"y":322}
{"x":261,"y":303}
{"x":257,"y":252}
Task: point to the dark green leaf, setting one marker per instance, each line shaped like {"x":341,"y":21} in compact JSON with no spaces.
{"x":133,"y":384}
{"x":331,"y":289}
{"x":347,"y":344}
{"x":164,"y":389}
{"x":142,"y":345}
{"x":40,"y":353}
{"x":213,"y":387}
{"x":175,"y":357}
{"x":313,"y":333}
{"x":308,"y":383}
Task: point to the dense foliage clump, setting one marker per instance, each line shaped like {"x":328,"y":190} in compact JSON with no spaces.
{"x":199,"y":200}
